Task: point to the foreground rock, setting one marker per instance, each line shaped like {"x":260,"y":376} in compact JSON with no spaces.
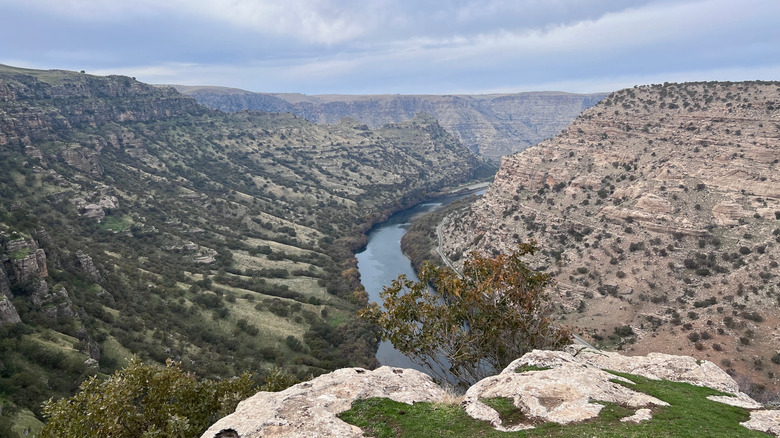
{"x":564,"y":393}
{"x":310,"y":409}
{"x":558,"y":386}
{"x":566,"y":386}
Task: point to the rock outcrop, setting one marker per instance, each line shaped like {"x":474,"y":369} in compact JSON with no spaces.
{"x":493,"y":125}
{"x":8,"y":313}
{"x":310,"y":409}
{"x":85,"y":264}
{"x":656,"y":211}
{"x":558,"y":386}
{"x":25,"y":261}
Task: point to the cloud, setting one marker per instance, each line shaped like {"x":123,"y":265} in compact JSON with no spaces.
{"x":393,"y":45}
{"x":323,"y":22}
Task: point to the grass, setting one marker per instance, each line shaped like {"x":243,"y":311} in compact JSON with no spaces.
{"x":116,"y":224}
{"x":113,"y":349}
{"x":25,"y":420}
{"x":530,"y":368}
{"x":690,"y":414}
{"x":20,"y":253}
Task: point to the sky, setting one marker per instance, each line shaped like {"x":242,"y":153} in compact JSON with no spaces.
{"x":399,"y":46}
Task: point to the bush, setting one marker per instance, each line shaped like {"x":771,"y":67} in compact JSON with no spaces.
{"x":145,"y":400}
{"x":624,"y":331}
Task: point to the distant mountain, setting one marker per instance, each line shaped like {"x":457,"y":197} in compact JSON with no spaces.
{"x":658,"y":213}
{"x":492,"y":124}
{"x":135,"y":221}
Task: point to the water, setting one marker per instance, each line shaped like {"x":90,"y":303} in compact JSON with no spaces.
{"x":382,"y":262}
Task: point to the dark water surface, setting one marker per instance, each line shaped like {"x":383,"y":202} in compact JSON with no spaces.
{"x":382,"y":262}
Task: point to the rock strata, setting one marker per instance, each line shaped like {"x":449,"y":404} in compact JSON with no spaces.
{"x":8,"y":314}
{"x":656,"y":212}
{"x":493,"y":125}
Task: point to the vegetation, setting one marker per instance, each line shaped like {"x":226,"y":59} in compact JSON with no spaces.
{"x":212,"y":235}
{"x":690,"y":414}
{"x":145,"y":401}
{"x":467,"y":327}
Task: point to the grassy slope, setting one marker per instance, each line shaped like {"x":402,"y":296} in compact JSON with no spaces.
{"x":278,"y":202}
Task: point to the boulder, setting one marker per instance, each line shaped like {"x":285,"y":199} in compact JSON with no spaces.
{"x":310,"y":409}
{"x":8,"y":314}
{"x":564,"y":393}
{"x":87,"y":266}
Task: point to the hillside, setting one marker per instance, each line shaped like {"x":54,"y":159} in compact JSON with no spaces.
{"x":492,"y":125}
{"x":135,"y":221}
{"x":659,"y":214}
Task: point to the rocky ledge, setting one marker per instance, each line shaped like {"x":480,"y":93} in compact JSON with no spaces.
{"x":558,"y":386}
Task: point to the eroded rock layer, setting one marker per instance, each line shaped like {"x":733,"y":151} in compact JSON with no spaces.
{"x":658,"y":214}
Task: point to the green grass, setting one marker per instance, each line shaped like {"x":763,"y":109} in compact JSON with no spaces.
{"x":116,"y":224}
{"x":25,"y":420}
{"x":690,"y":414}
{"x":20,"y":253}
{"x":530,"y":368}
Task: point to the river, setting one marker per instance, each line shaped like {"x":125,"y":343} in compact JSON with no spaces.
{"x":383,"y":261}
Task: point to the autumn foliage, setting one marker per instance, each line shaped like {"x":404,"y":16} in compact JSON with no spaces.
{"x":464,"y":327}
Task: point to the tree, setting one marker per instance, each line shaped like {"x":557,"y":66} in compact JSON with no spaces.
{"x":470,"y":326}
{"x":144,"y":401}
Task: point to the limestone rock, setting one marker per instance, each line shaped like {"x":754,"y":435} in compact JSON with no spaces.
{"x":640,"y":415}
{"x":310,"y":409}
{"x":55,"y":303}
{"x":8,"y":314}
{"x":5,"y":286}
{"x":87,"y":161}
{"x":728,"y":212}
{"x":26,"y":261}
{"x":659,"y":366}
{"x":561,"y":394}
{"x":87,"y":266}
{"x":765,"y":421}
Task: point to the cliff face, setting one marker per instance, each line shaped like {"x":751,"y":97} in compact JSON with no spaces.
{"x":658,"y":212}
{"x":170,"y":230}
{"x":492,"y":125}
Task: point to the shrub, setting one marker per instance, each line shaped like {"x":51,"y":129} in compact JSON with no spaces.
{"x":624,"y":331}
{"x":145,"y":400}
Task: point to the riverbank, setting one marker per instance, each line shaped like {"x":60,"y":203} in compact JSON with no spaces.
{"x":382,"y":259}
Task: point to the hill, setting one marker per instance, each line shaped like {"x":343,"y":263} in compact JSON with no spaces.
{"x":492,"y":125}
{"x":659,"y":213}
{"x":135,"y":221}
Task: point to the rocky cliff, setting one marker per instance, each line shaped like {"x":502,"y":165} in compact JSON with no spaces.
{"x":658,"y":212}
{"x":543,"y":386}
{"x":167,"y":229}
{"x":493,"y":125}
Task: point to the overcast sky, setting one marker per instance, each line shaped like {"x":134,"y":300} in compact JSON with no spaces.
{"x":399,"y":46}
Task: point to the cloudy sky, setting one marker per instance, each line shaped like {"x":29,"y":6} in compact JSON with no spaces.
{"x":399,"y":46}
